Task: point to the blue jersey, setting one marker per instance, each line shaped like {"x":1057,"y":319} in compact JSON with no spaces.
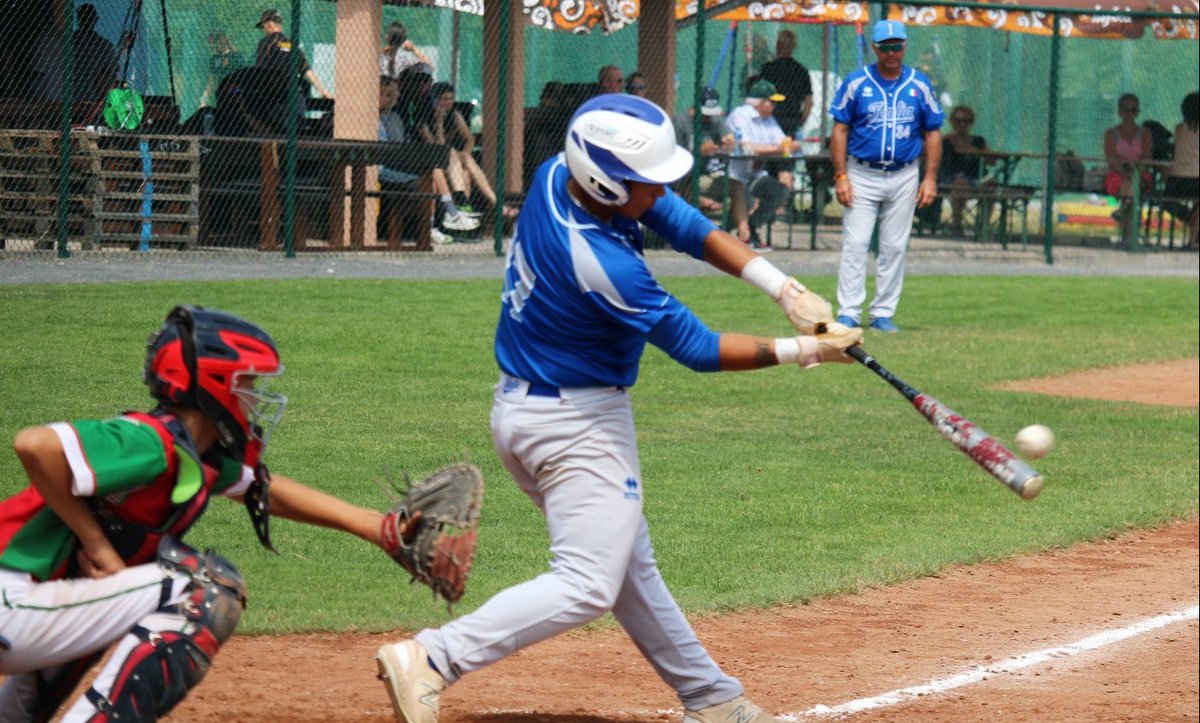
{"x":886,"y":117}
{"x":579,"y":302}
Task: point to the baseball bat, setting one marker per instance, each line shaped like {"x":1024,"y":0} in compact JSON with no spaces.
{"x":977,"y":444}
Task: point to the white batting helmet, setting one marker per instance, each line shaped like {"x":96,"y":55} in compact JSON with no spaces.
{"x":614,"y":138}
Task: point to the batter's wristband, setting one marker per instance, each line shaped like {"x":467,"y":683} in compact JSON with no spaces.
{"x":763,"y":275}
{"x":802,"y":350}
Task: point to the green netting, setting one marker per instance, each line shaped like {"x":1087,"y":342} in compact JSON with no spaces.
{"x":1003,"y":76}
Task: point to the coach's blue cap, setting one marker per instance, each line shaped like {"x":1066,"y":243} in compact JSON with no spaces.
{"x":888,"y":30}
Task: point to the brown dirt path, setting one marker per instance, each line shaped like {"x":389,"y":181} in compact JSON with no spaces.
{"x":794,"y":658}
{"x":1174,"y":383}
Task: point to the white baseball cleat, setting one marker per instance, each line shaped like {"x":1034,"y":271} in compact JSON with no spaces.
{"x":738,"y":710}
{"x":460,"y":222}
{"x":412,"y":684}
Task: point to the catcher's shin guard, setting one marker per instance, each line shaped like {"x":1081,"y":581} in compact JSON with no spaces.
{"x":164,"y":664}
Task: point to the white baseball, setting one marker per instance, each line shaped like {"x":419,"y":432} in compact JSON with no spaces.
{"x":1034,"y":441}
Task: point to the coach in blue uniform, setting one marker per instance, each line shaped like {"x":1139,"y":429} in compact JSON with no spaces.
{"x":881,"y":114}
{"x":579,"y":305}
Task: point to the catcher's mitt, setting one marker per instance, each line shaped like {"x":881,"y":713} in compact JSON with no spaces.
{"x":440,"y":514}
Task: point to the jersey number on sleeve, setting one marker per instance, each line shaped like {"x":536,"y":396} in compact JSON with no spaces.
{"x":518,"y":281}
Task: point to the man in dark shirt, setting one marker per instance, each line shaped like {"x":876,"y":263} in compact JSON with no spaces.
{"x":95,"y":66}
{"x":275,"y":51}
{"x":95,"y":59}
{"x":792,"y":80}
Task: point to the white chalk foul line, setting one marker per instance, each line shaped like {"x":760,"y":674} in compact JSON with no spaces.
{"x":978,"y":673}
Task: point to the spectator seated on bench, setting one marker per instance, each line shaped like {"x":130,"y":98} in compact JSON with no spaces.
{"x":447,"y":126}
{"x":1183,"y":178}
{"x":959,"y":174}
{"x":392,"y":129}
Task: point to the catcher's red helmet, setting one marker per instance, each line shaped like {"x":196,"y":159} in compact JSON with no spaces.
{"x":218,"y":363}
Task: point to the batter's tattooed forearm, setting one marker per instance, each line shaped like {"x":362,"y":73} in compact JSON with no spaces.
{"x":763,"y":356}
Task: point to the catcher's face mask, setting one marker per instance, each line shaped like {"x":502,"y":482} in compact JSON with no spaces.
{"x":262,"y":409}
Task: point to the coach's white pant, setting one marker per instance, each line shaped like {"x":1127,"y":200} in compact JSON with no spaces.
{"x":576,"y":458}
{"x":50,"y":624}
{"x":890,"y":196}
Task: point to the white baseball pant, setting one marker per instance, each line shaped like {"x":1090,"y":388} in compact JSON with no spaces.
{"x":575,"y":456}
{"x":890,"y":196}
{"x":50,"y":624}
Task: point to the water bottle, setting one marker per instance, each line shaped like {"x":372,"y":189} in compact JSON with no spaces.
{"x":741,"y":148}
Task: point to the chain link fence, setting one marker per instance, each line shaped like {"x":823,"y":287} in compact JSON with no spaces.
{"x":181,"y":113}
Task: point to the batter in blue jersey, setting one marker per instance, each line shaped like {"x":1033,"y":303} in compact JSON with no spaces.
{"x":578,"y":306}
{"x":882,"y":115}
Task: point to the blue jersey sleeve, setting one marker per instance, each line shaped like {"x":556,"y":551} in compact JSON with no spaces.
{"x":932,"y":115}
{"x":679,"y":223}
{"x":686,"y":339}
{"x":842,"y":107}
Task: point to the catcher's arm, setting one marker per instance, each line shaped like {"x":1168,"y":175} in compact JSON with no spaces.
{"x":300,"y":503}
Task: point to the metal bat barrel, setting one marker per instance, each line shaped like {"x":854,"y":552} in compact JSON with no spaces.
{"x":974,"y":442}
{"x":980,"y":446}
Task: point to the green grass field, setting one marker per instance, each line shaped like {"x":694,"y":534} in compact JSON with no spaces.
{"x":776,"y":486}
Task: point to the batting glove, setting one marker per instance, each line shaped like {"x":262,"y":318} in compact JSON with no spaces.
{"x":807,"y":311}
{"x":832,"y":345}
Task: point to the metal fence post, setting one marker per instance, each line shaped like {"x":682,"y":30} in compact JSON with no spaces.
{"x":64,"y":131}
{"x":501,"y":112}
{"x":1051,"y":143}
{"x":289,"y":168}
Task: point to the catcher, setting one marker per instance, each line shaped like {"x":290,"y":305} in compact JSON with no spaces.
{"x":90,"y":551}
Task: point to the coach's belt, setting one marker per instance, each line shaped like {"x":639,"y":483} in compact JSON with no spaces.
{"x":881,"y":165}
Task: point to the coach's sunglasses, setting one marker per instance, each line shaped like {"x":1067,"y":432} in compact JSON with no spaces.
{"x":890,"y":47}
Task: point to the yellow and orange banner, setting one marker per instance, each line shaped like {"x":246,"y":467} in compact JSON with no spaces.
{"x":608,"y":16}
{"x":811,"y":11}
{"x":1080,"y":18}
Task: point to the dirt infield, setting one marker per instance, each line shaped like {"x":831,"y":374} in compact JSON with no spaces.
{"x":794,"y":659}
{"x":1174,"y":383}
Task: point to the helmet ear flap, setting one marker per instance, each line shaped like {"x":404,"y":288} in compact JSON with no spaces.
{"x":588,"y":174}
